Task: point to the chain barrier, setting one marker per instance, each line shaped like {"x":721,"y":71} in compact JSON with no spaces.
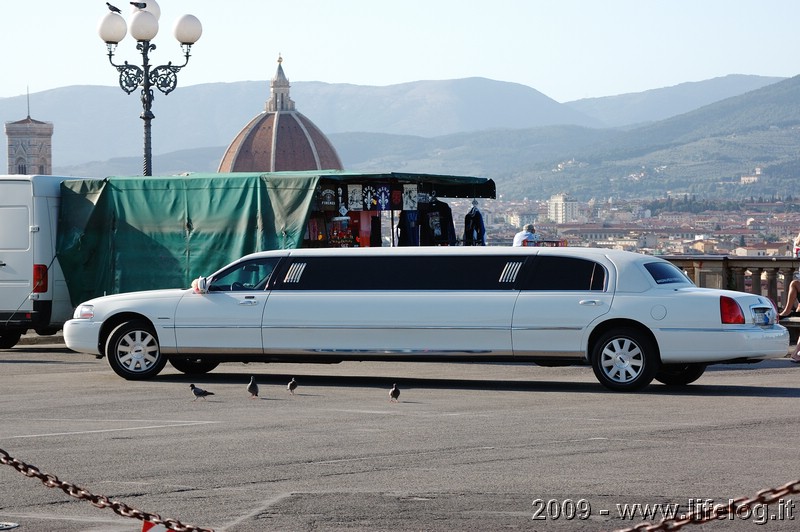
{"x":719,"y":511}
{"x":699,"y":516}
{"x":100,"y":501}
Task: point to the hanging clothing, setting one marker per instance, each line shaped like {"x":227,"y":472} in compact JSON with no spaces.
{"x":436,"y":227}
{"x":408,"y":229}
{"x":474,"y":230}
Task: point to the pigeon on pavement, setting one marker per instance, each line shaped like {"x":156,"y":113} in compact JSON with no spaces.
{"x":199,"y":392}
{"x":292,"y":386}
{"x":252,"y":388}
{"x":394,"y":394}
{"x":113,"y":9}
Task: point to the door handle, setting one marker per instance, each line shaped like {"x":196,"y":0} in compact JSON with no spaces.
{"x":248,"y":302}
{"x":589,"y":302}
{"x":2,"y":263}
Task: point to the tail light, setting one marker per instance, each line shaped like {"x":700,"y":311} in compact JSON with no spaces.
{"x":730,"y":311}
{"x":39,"y":278}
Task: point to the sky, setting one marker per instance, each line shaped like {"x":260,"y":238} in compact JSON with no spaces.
{"x":566,"y":49}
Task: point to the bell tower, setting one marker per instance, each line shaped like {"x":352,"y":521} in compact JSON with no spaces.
{"x":30,"y":146}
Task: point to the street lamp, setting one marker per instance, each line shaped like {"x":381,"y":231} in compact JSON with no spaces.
{"x":144,"y":27}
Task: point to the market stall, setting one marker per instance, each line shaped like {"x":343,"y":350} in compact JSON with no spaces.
{"x":349,"y":209}
{"x":121,"y":234}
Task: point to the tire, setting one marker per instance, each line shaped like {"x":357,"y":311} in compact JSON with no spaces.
{"x":625,"y":360}
{"x":679,"y":374}
{"x":9,"y":339}
{"x":133,"y":351}
{"x":193,"y":366}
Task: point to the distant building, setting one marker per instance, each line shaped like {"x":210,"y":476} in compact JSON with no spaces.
{"x":562,"y":209}
{"x":750,"y":179}
{"x":769,"y":249}
{"x":519,"y":219}
{"x":30,"y":146}
{"x":280,"y":138}
{"x":705,"y":246}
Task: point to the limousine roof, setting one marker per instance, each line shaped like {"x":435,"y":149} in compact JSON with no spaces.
{"x":615,"y":254}
{"x":629,"y":272}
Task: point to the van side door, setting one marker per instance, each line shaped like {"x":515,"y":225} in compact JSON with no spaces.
{"x":16,"y":250}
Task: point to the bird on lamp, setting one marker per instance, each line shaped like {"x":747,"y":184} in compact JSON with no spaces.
{"x":139,"y":5}
{"x":113,"y":9}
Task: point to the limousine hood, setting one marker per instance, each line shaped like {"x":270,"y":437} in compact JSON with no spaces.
{"x":167,"y":293}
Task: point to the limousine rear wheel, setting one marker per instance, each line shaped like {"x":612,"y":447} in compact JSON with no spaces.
{"x":133,"y":351}
{"x":193,"y":366}
{"x":625,"y":359}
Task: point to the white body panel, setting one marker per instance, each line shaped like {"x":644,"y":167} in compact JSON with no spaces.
{"x":16,"y":246}
{"x":556,"y":324}
{"x":460,"y":323}
{"x":220,"y":321}
{"x":29,"y":207}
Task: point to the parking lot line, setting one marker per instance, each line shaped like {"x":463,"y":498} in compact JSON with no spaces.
{"x":117,"y":429}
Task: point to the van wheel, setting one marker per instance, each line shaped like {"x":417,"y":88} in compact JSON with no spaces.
{"x":9,"y":339}
{"x":133,"y":352}
{"x":624,"y":360}
{"x":193,"y":366}
{"x":679,"y":374}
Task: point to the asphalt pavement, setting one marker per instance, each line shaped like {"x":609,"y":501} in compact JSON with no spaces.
{"x":467,"y":447}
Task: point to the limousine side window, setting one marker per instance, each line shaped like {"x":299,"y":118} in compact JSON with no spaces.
{"x":564,"y":273}
{"x":250,"y":275}
{"x":402,"y":273}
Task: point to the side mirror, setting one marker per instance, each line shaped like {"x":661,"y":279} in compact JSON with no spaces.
{"x":200,"y":285}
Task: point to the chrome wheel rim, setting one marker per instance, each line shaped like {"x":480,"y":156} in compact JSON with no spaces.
{"x":622,"y":360}
{"x":137,"y":351}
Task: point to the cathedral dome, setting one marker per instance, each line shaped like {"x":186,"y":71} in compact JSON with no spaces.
{"x":280,"y":138}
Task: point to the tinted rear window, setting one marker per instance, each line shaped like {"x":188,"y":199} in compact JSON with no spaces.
{"x":666,"y":273}
{"x":565,"y":273}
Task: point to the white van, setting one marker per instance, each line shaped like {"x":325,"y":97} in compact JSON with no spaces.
{"x":33,"y":293}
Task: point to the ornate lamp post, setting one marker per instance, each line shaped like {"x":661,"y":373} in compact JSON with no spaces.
{"x":144,"y":27}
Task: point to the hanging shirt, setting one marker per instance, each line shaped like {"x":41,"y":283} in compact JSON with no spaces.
{"x":474,"y":231}
{"x":408,"y":229}
{"x":436,"y":226}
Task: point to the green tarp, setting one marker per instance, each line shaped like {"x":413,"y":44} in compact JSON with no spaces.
{"x":122,"y":234}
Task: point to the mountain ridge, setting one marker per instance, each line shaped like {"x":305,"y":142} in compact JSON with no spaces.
{"x":529,"y":143}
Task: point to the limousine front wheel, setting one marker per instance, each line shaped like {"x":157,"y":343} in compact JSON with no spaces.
{"x":133,"y":351}
{"x":624,"y":360}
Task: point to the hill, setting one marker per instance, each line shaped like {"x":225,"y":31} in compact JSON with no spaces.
{"x":100,"y":123}
{"x":94,"y":123}
{"x":660,"y":104}
{"x":527,"y":142}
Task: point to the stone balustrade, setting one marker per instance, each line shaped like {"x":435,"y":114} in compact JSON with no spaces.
{"x":740,"y":273}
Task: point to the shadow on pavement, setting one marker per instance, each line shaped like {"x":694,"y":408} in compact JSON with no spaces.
{"x":383,"y":381}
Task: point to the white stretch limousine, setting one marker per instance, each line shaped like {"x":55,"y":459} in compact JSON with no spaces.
{"x":632,"y":317}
